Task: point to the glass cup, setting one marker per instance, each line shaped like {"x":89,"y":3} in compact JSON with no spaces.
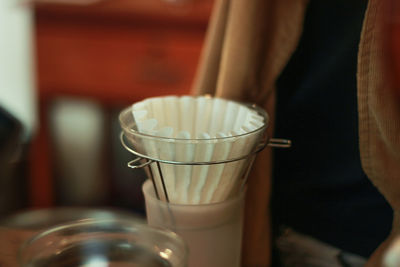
{"x":213,"y":232}
{"x":101,"y":243}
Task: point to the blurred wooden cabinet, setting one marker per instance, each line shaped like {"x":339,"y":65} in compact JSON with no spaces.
{"x":113,"y":51}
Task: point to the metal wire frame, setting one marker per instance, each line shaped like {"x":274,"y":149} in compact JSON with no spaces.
{"x":272,"y":142}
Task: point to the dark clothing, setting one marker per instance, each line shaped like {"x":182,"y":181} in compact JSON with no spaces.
{"x":319,"y":187}
{"x":13,"y":165}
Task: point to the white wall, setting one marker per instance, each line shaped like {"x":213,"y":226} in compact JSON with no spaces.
{"x":17,"y":85}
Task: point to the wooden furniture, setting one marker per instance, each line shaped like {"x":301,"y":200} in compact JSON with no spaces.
{"x":11,"y":240}
{"x":392,"y":31}
{"x":115,"y":52}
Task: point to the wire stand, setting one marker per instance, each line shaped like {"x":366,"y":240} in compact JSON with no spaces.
{"x":143,"y":161}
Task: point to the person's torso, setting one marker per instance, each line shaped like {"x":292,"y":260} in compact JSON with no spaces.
{"x":319,"y":186}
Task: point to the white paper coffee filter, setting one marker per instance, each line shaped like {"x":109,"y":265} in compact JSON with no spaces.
{"x":195,"y":115}
{"x":231,"y":174}
{"x":183,"y":173}
{"x":171,"y":112}
{"x":150,"y":147}
{"x":203,"y":153}
{"x":230,"y":117}
{"x":203,"y":115}
{"x":196,"y":129}
{"x":187,"y":107}
{"x":221,"y":150}
{"x":166,"y":150}
{"x":217,"y":116}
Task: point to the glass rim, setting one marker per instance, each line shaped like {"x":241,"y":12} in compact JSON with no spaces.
{"x":175,"y":238}
{"x":37,"y":219}
{"x":254,"y":107}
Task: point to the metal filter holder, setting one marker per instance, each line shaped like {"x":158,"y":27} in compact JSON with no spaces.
{"x":145,"y":161}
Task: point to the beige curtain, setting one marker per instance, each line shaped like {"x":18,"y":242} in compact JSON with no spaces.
{"x":248,"y":44}
{"x":379,"y":117}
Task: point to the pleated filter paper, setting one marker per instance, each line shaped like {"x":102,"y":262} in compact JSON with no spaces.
{"x":192,"y":129}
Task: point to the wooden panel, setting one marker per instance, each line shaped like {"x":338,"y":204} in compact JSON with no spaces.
{"x":115,"y":65}
{"x":189,"y":12}
{"x":393,"y":41}
{"x":113,"y":57}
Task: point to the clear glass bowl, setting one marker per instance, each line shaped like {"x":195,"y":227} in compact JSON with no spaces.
{"x":101,"y":243}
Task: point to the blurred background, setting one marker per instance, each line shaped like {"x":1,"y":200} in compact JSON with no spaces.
{"x":67,"y":68}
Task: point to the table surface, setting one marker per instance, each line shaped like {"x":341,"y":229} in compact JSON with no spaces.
{"x":10,"y":242}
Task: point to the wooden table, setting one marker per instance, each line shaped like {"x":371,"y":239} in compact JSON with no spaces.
{"x":10,"y":241}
